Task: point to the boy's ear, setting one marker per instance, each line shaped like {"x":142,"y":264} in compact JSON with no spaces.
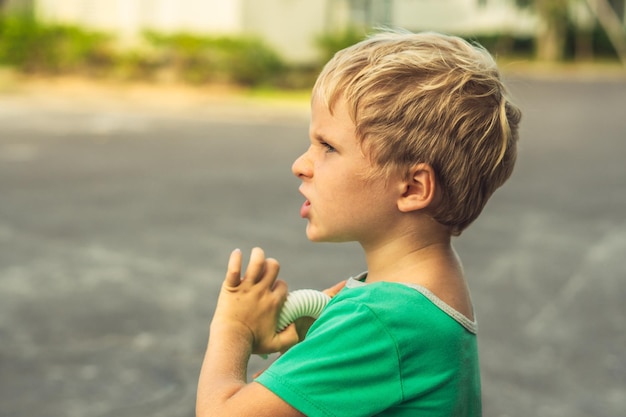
{"x":419,"y":189}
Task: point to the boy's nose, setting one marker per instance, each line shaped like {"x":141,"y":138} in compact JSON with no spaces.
{"x":302,"y":167}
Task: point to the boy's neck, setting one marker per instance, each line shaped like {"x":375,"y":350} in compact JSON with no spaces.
{"x":413,"y":257}
{"x":418,"y":265}
{"x":426,"y":259}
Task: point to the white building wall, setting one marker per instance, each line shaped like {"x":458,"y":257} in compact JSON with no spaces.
{"x":462,"y":16}
{"x":127,"y":18}
{"x":289,"y":26}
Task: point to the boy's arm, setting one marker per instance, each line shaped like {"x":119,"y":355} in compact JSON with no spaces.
{"x":222,"y":389}
{"x":244,"y":323}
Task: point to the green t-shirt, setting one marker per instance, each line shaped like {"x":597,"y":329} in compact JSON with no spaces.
{"x":382,"y":349}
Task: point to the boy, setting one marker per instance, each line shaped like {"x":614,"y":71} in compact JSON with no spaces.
{"x":410,"y":135}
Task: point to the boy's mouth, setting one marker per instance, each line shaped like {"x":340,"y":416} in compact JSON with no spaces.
{"x":304,"y":210}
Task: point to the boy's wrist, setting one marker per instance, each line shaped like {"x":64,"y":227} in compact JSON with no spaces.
{"x":231,"y":333}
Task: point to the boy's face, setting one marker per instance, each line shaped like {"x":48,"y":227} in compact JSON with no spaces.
{"x":344,"y":201}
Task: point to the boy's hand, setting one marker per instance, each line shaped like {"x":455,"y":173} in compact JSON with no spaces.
{"x":334,"y":290}
{"x":250,"y":305}
{"x":303,"y":323}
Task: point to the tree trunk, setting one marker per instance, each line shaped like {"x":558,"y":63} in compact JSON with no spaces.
{"x":584,"y":45}
{"x":550,"y":38}
{"x":551,"y":43}
{"x":611,"y":24}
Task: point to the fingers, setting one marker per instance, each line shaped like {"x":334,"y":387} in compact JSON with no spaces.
{"x":286,"y":338}
{"x":281,"y":289}
{"x":334,"y":290}
{"x":256,"y":266}
{"x":233,"y":272}
{"x":259,"y":269}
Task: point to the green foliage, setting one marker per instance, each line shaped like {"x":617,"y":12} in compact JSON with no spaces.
{"x":599,"y":43}
{"x":40,"y":48}
{"x":505,"y":45}
{"x":18,"y":40}
{"x":329,"y":43}
{"x":135,"y":64}
{"x":201,"y":59}
{"x":49,"y":48}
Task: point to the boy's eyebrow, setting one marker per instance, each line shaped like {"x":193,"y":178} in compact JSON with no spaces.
{"x":318,"y":137}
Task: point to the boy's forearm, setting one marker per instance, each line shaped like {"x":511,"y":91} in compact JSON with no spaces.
{"x":244,"y":322}
{"x":224,"y":370}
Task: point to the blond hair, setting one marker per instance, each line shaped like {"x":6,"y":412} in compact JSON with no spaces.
{"x":429,"y":98}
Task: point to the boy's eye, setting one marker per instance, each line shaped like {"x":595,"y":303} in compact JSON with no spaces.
{"x":329,"y":148}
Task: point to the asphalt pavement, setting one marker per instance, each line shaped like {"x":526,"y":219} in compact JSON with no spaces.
{"x":117,"y":215}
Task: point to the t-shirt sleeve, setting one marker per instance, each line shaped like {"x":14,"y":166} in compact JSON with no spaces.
{"x":348,"y":365}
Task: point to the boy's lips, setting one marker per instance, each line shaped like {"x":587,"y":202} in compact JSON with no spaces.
{"x":304,"y":210}
{"x":306,"y":206}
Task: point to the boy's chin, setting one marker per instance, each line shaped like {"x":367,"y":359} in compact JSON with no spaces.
{"x":314,"y":238}
{"x":314,"y":235}
{"x":317,"y":237}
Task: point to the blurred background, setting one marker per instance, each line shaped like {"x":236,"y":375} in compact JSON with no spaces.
{"x":142,"y":140}
{"x":282,"y":43}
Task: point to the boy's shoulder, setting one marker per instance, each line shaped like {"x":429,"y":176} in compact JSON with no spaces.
{"x":395,"y":304}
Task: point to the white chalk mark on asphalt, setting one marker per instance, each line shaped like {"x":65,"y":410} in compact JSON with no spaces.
{"x":600,"y":257}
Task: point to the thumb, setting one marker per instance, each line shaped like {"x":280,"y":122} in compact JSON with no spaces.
{"x":286,"y":338}
{"x":334,"y":290}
